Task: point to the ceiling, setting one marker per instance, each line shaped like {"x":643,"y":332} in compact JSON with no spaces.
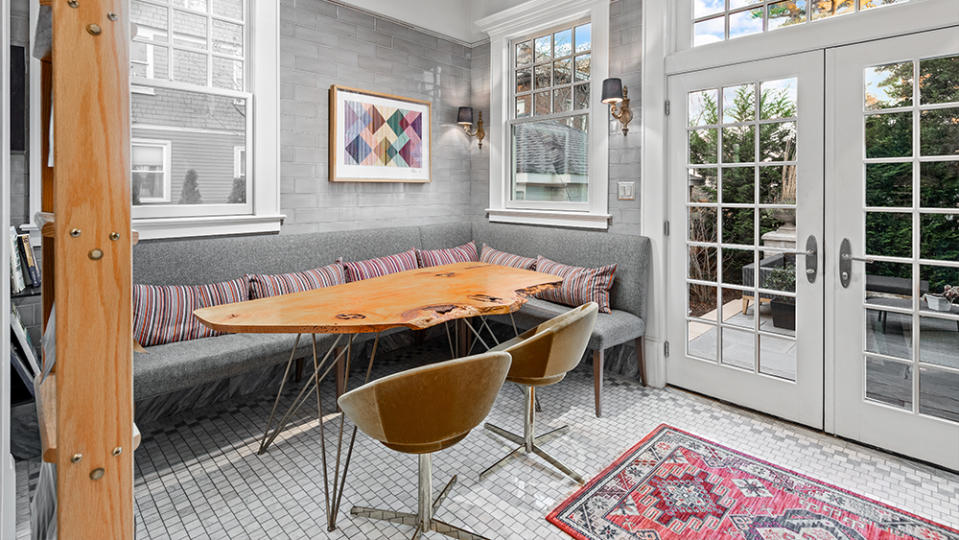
{"x":451,"y":18}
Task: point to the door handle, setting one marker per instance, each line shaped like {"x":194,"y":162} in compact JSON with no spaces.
{"x":846,"y":258}
{"x":812,"y":258}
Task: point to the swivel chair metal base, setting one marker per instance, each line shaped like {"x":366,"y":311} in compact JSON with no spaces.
{"x":423,"y":519}
{"x":528,"y":442}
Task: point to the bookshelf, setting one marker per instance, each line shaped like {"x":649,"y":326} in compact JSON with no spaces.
{"x":86,"y":405}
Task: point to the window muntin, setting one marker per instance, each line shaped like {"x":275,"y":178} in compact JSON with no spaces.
{"x":742,"y":166}
{"x":720,"y":20}
{"x":911,"y":206}
{"x":549,"y":118}
{"x":193,"y":56}
{"x":150,"y":160}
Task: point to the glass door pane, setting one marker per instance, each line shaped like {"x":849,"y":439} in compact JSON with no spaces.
{"x":896,"y":196}
{"x":742,"y":229}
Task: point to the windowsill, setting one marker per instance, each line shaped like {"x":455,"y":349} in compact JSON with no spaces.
{"x":192,"y":227}
{"x":551,"y":218}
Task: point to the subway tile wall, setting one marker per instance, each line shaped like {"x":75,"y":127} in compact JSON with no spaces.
{"x":324,"y":44}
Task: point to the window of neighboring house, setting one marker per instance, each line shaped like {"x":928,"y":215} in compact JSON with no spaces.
{"x":150,"y":161}
{"x":239,"y":162}
{"x":548,"y":64}
{"x":720,"y":20}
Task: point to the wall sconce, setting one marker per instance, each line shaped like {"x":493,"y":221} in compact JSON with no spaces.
{"x":465,"y":119}
{"x":616,"y":96}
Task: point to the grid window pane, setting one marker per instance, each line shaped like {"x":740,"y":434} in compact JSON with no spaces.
{"x":584,"y":38}
{"x":750,"y":17}
{"x":543,"y":48}
{"x":549,"y":156}
{"x":563,"y":43}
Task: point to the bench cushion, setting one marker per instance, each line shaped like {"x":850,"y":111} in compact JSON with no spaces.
{"x":502,"y":258}
{"x":611,"y":329}
{"x":380,"y":266}
{"x":176,"y":366}
{"x":164,"y":313}
{"x":438,"y":257}
{"x":266,"y":285}
{"x":580,"y":285}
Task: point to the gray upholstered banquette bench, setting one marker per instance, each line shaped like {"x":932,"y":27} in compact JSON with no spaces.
{"x":177,"y":367}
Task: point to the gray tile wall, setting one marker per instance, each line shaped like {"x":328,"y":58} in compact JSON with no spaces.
{"x":324,"y":44}
{"x":625,"y":62}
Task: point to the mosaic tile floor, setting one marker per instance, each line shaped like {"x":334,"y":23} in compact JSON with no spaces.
{"x":198,"y":476}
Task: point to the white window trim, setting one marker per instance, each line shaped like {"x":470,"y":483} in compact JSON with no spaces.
{"x":514,"y":23}
{"x":264,"y":161}
{"x":239,"y":156}
{"x":166,"y":146}
{"x":877,"y":23}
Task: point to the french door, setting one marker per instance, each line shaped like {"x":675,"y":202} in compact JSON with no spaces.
{"x":746,"y":191}
{"x":892,"y":170}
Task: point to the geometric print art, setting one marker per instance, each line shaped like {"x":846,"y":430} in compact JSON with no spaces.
{"x":382,"y":136}
{"x":674,"y":484}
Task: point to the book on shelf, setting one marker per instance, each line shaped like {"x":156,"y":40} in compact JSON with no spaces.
{"x":21,"y":338}
{"x":17,"y":282}
{"x":29,"y":261}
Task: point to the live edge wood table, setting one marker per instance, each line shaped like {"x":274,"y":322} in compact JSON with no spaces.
{"x":415,"y":299}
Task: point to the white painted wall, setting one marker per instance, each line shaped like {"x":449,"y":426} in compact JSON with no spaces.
{"x":453,"y":18}
{"x":448,"y":17}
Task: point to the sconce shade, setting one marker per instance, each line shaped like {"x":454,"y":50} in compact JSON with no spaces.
{"x":612,"y":90}
{"x":465,"y":116}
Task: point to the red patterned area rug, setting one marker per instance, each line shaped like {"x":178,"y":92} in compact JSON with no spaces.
{"x":676,"y":485}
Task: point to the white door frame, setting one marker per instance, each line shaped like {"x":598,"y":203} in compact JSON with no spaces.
{"x":7,"y":472}
{"x":849,"y":414}
{"x":800,"y":401}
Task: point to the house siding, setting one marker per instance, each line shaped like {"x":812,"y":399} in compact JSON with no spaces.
{"x":209,"y":154}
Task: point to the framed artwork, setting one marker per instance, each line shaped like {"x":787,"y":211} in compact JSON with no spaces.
{"x":378,"y":137}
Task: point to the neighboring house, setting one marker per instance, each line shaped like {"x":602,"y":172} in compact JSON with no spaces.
{"x":550,"y":161}
{"x":175,"y":131}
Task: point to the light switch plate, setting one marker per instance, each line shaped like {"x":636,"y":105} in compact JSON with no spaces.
{"x":627,"y":191}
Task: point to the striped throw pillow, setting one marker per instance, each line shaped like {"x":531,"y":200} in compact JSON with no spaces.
{"x":438,"y":257}
{"x":263,"y":286}
{"x":580,"y":285}
{"x":164,"y":313}
{"x":502,"y":258}
{"x":380,"y":266}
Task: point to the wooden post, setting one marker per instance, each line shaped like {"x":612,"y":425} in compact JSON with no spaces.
{"x":93,"y":269}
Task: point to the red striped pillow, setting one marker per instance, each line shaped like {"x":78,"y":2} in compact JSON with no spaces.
{"x":263,"y":286}
{"x":502,"y":258}
{"x":438,"y":257}
{"x":580,"y":285}
{"x":380,"y":266}
{"x":164,"y":314}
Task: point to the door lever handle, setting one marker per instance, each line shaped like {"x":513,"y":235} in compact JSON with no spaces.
{"x":846,"y":259}
{"x":850,"y":257}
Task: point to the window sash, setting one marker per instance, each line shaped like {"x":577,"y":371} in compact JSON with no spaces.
{"x":510,"y":186}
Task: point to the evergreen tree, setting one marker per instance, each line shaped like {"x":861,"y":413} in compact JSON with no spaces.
{"x":238,"y":194}
{"x":190,"y":194}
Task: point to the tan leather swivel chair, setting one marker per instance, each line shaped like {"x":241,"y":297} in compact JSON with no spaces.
{"x":542,"y":356}
{"x":424,"y":410}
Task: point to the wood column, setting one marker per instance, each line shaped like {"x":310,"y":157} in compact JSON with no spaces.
{"x":93,"y":269}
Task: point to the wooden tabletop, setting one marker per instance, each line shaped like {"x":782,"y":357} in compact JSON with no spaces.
{"x":414,"y":299}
